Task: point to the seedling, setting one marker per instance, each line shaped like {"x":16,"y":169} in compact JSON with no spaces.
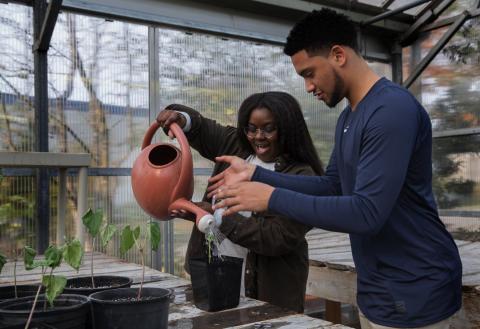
{"x":132,"y":238}
{"x":94,"y":222}
{"x":71,"y":252}
{"x":3,"y":261}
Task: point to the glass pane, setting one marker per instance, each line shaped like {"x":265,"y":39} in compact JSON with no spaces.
{"x":16,"y":78}
{"x":457,"y":7}
{"x":411,"y":11}
{"x":456,"y":181}
{"x":214,"y":75}
{"x":450,"y":86}
{"x":98,"y":80}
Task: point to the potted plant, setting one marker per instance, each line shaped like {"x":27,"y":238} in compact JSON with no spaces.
{"x":52,"y":308}
{"x":123,"y":308}
{"x":216,"y":279}
{"x":97,"y":228}
{"x":15,"y":290}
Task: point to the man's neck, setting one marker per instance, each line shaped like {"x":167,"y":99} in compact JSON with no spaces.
{"x":362,"y":79}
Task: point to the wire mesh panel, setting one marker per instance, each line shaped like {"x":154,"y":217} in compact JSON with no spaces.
{"x":213,"y":75}
{"x":98,"y":89}
{"x":450,"y":91}
{"x":17,"y":224}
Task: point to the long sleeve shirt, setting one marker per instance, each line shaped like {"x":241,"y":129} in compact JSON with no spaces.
{"x":377,"y":188}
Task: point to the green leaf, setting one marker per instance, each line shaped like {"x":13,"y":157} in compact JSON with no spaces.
{"x":107,"y":233}
{"x":3,"y":261}
{"x":28,"y":257}
{"x":154,"y":234}
{"x":93,"y":221}
{"x":127,"y":240}
{"x":136,"y":232}
{"x":73,"y":254}
{"x":53,"y":256}
{"x":54,"y":285}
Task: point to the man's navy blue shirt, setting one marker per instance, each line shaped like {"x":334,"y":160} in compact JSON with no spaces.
{"x":378,"y":188}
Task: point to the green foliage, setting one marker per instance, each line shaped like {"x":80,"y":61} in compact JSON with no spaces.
{"x":128,"y":238}
{"x":107,"y":233}
{"x":96,"y":225}
{"x":54,"y":285}
{"x":3,"y":261}
{"x":73,"y":254}
{"x":154,"y":234}
{"x":29,"y":257}
{"x":93,"y":221}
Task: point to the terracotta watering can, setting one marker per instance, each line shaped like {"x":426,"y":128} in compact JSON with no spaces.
{"x":162,"y":178}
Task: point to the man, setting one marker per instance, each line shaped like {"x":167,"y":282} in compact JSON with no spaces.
{"x":377,"y":188}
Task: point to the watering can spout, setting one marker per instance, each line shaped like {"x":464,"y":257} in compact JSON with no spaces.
{"x":162,"y":177}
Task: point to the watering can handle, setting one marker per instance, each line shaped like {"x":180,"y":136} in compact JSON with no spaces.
{"x":186,"y":165}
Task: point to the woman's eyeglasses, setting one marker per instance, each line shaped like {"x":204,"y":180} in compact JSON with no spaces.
{"x":267,"y":131}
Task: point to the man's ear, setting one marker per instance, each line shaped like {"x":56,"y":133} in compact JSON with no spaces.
{"x":338,"y":54}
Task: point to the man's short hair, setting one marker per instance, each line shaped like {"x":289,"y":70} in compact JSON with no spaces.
{"x":319,"y":30}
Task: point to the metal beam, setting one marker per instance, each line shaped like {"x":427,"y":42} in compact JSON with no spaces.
{"x":436,"y":49}
{"x":42,"y":43}
{"x":397,"y":64}
{"x":447,"y":21}
{"x":387,"y":4}
{"x":423,"y":19}
{"x":393,"y":12}
{"x":42,"y":192}
{"x":456,"y":132}
{"x":44,"y":159}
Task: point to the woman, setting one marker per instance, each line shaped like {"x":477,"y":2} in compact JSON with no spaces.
{"x":271,"y":133}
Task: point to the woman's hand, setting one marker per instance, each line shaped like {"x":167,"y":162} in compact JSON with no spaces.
{"x":251,"y":196}
{"x":239,"y":171}
{"x":168,"y":116}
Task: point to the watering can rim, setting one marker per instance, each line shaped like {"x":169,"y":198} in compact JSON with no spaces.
{"x":152,"y":146}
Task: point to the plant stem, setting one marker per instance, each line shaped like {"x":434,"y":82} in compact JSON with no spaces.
{"x":34,"y":303}
{"x":91,"y":265}
{"x":15,"y":275}
{"x":142,"y":257}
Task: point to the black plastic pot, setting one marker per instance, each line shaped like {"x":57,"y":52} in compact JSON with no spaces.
{"x":83,"y":285}
{"x":216,"y":284}
{"x":119,"y":309}
{"x":69,"y":311}
{"x":24,"y":290}
{"x":32,"y":326}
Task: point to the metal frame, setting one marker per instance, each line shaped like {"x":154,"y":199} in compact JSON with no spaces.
{"x":394,"y":12}
{"x":240,"y":19}
{"x":61,"y":161}
{"x":41,"y":124}
{"x":430,"y":14}
{"x":436,"y":49}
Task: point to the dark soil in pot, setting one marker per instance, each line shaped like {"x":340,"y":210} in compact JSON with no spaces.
{"x":216,"y":283}
{"x":119,"y":308}
{"x":83,"y":285}
{"x":24,"y":290}
{"x":69,"y":311}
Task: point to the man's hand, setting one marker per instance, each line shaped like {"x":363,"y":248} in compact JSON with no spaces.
{"x":169,"y":115}
{"x":188,"y":215}
{"x":251,"y":196}
{"x":239,"y":171}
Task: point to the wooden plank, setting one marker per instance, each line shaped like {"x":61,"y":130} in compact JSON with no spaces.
{"x":44,"y":159}
{"x":339,"y":286}
{"x":299,"y":321}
